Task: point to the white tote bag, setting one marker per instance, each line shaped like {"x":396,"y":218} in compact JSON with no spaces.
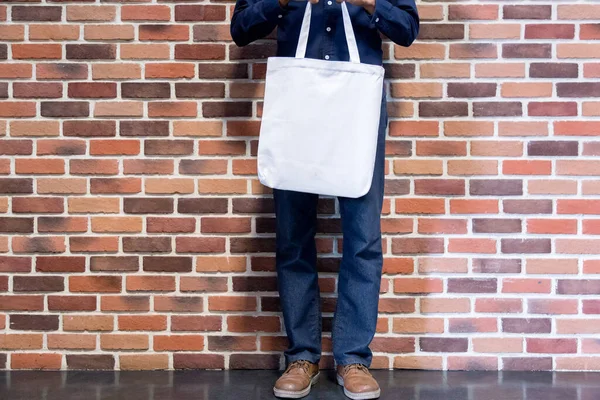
{"x":320,"y":121}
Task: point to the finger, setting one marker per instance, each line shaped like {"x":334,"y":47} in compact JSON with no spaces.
{"x":314,"y":1}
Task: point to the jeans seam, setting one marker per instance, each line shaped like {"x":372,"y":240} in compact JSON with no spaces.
{"x":317,"y":317}
{"x":299,"y":356}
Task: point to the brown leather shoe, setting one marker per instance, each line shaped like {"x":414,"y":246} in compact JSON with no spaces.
{"x":358,"y":383}
{"x":297,"y":380}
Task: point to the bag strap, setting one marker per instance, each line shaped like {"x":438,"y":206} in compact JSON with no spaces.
{"x":348,"y":30}
{"x":350,"y":38}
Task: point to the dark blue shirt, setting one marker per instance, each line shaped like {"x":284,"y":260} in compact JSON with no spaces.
{"x":396,"y":19}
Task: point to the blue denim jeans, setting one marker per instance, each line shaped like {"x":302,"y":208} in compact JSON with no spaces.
{"x":359,"y":278}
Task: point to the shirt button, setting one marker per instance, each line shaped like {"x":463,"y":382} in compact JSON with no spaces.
{"x":329,"y":3}
{"x":327,"y":57}
{"x":328,"y":29}
{"x":377,"y":19}
{"x":280,"y":16}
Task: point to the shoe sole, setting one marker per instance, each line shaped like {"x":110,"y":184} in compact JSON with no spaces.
{"x":358,"y":396}
{"x":288,"y":394}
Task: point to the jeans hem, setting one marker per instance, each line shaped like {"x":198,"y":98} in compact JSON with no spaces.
{"x":353,"y":360}
{"x":305,"y":355}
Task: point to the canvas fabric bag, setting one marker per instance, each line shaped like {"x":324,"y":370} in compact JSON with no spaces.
{"x":320,"y":120}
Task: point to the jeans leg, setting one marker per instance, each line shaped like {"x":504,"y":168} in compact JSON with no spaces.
{"x":360,"y":271}
{"x":296,"y":258}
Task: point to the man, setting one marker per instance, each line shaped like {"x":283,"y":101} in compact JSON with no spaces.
{"x":296,"y":213}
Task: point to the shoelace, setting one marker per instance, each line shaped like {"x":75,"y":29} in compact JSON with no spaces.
{"x":360,"y":367}
{"x":303,"y":364}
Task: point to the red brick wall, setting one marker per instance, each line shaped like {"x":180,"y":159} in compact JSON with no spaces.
{"x":134,"y":233}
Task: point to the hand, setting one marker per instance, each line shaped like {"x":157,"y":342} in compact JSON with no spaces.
{"x":368,"y":5}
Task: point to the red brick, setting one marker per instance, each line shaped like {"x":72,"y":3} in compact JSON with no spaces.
{"x":37,"y":166}
{"x":53,"y":32}
{"x":45,"y":244}
{"x":551,"y":306}
{"x":90,"y":51}
{"x":94,"y":167}
{"x":15,"y":70}
{"x":115,"y":147}
{"x":201,"y":284}
{"x":253,"y":324}
{"x":444,"y":265}
{"x":116,"y":71}
{"x":181,"y":323}
{"x":138,"y":362}
{"x":13,"y":32}
{"x":142,"y":322}
{"x":36,"y":284}
{"x":21,"y":302}
{"x":136,"y":51}
{"x":17,"y":109}
{"x":589,"y":32}
{"x":418,"y":325}
{"x":445,"y":305}
{"x":554,"y":346}
{"x":44,"y":51}
{"x":171,"y":225}
{"x":164,"y":32}
{"x":414,"y":285}
{"x":108,"y":32}
{"x":474,"y":245}
{"x":36,"y":13}
{"x":40,"y":361}
{"x":178,"y":343}
{"x":420,"y":206}
{"x":116,"y":224}
{"x":199,"y":52}
{"x":91,"y":13}
{"x":473,"y":12}
{"x":36,"y":90}
{"x":90,"y":362}
{"x":114,"y":263}
{"x":472,"y":363}
{"x":235,"y":343}
{"x":172,"y":109}
{"x":95,"y":284}
{"x":149,"y":283}
{"x":179,"y":304}
{"x":72,"y":303}
{"x":94,"y":244}
{"x":199,"y":13}
{"x":72,"y":341}
{"x":145,"y":13}
{"x":215,"y":264}
{"x":469,"y":325}
{"x":500,"y":345}
{"x":92,"y":90}
{"x":549,"y":31}
{"x":124,"y":342}
{"x":88,"y":323}
{"x":125,"y":303}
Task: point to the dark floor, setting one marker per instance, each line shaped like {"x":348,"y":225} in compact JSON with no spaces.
{"x":254,"y":385}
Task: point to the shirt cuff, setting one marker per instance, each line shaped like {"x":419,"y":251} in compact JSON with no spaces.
{"x":272,"y":9}
{"x":382,"y":7}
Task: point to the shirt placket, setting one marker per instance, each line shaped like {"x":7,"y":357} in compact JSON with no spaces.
{"x":328,"y":50}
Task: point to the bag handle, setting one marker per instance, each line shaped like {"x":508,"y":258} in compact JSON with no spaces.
{"x":350,"y":38}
